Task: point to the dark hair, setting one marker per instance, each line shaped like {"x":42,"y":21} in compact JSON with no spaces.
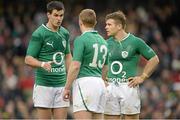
{"x":55,"y":5}
{"x":88,"y":17}
{"x":119,"y":18}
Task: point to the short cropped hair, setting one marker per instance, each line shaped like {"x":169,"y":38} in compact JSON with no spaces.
{"x":88,"y":17}
{"x":55,"y":5}
{"x":119,"y":17}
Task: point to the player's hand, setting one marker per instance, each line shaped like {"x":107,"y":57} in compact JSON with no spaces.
{"x":134,"y":81}
{"x":66,"y":95}
{"x":47,"y":65}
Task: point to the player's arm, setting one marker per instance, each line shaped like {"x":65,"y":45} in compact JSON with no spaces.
{"x":148,"y":70}
{"x":72,"y":75}
{"x":74,"y":66}
{"x":105,"y":70}
{"x":33,"y":50}
{"x":104,"y":74}
{"x":149,"y":54}
{"x":150,"y":66}
{"x":68,"y":56}
{"x":68,"y":61}
{"x":33,"y":62}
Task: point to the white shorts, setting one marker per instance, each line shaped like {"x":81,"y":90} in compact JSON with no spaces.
{"x":49,"y":97}
{"x":121,"y":99}
{"x":89,"y":94}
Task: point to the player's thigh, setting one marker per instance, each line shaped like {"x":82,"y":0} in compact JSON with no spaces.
{"x":43,"y":113}
{"x":43,"y":96}
{"x":60,"y":113}
{"x":83,"y":115}
{"x":112,"y":106}
{"x":108,"y":117}
{"x":130,"y":102}
{"x":89,"y":95}
{"x":134,"y":116}
{"x":59,"y":102}
{"x":97,"y":116}
{"x":49,"y":97}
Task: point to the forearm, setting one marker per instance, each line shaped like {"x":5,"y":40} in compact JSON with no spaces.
{"x":68,"y":61}
{"x":104,"y":72}
{"x":33,"y":62}
{"x":150,"y":67}
{"x":72,"y":75}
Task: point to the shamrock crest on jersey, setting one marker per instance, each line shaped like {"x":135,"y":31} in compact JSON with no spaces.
{"x":124,"y":54}
{"x":64,"y":43}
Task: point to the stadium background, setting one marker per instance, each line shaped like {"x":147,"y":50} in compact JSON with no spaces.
{"x":156,"y":21}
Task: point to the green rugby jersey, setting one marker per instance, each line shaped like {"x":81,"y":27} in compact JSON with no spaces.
{"x":124,"y":57}
{"x":46,"y":45}
{"x":91,"y":50}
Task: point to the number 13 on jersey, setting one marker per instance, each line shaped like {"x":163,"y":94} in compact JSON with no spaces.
{"x":99,"y":62}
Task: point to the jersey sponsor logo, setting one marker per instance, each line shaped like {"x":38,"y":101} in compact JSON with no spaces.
{"x":124,"y":54}
{"x":58,"y":62}
{"x":60,"y":69}
{"x":50,"y":44}
{"x":118,"y":80}
{"x":55,"y":56}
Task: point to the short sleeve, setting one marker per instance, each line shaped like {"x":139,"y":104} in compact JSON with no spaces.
{"x":78,"y":49}
{"x":34,"y":45}
{"x":145,"y":50}
{"x":68,"y":44}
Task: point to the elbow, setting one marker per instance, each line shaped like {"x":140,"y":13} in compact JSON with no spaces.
{"x":76,"y":66}
{"x":155,"y":60}
{"x":26,"y":60}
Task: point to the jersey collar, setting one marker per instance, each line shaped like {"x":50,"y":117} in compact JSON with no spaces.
{"x":89,"y":31}
{"x":49,"y":28}
{"x":124,"y":37}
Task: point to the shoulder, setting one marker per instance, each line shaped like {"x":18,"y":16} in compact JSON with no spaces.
{"x":103,"y":40}
{"x":110,"y":40}
{"x":79,"y":38}
{"x":39,"y":31}
{"x":137,"y":42}
{"x":64,"y":31}
{"x":135,"y":38}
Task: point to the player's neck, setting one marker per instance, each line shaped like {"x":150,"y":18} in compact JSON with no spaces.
{"x":84,"y":29}
{"x":52,"y":27}
{"x":120,"y":35}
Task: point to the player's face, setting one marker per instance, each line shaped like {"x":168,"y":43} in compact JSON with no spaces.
{"x":111,"y":27}
{"x":56,"y":17}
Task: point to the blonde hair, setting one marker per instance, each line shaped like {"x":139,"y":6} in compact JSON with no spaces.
{"x":88,"y":17}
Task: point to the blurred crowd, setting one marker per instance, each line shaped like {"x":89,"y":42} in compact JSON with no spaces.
{"x":157,"y":23}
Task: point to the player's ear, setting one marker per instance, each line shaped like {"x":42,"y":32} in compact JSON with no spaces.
{"x":48,"y":15}
{"x":119,"y":26}
{"x":95,"y":23}
{"x":80,"y":23}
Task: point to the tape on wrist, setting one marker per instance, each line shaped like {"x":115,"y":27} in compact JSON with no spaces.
{"x":42,"y":64}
